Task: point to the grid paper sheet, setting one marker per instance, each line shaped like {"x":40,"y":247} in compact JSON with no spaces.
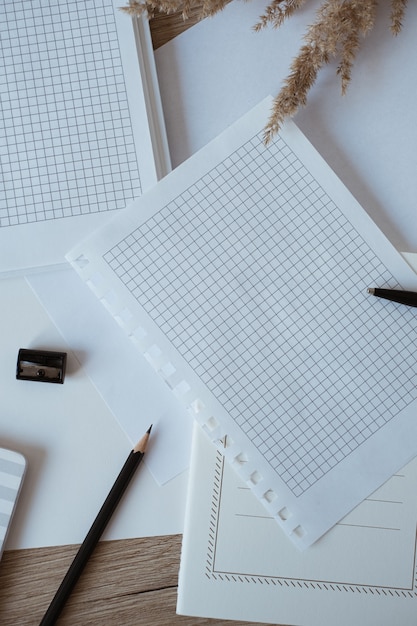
{"x":251,"y":280}
{"x":69,"y":144}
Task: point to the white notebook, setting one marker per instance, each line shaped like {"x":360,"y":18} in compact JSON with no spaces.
{"x":81,"y":125}
{"x":12,"y":470}
{"x":243,"y":277}
{"x":236,"y":564}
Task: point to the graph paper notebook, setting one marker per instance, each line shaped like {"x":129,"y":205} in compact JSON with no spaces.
{"x":236,"y":564}
{"x":81,"y":127}
{"x":242,"y":276}
{"x":12,"y":469}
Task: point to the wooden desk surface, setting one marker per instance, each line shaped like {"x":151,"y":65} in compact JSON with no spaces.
{"x":129,"y":582}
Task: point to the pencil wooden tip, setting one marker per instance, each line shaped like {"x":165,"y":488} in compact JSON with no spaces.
{"x":142,"y":443}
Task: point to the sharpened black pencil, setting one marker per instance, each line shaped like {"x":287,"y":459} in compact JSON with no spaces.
{"x":395,"y":295}
{"x":96,"y":530}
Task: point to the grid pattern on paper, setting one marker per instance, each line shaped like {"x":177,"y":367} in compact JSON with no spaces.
{"x":66,"y":137}
{"x":259,"y":281}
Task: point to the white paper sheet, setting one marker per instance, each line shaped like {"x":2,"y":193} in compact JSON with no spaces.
{"x":235,"y":564}
{"x":243,"y":276}
{"x":73,"y":445}
{"x":74,"y":132}
{"x":220,"y":68}
{"x":130,"y":387}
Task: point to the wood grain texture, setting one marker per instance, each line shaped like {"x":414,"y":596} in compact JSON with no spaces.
{"x":131,"y":582}
{"x":166,"y":27}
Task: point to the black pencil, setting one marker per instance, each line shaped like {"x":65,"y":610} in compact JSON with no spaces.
{"x":395,"y":295}
{"x":95,"y":532}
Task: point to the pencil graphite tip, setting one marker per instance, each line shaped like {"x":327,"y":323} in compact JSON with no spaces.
{"x":142,"y":443}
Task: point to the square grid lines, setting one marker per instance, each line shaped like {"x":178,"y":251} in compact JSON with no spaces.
{"x":259,"y":281}
{"x":66,"y":139}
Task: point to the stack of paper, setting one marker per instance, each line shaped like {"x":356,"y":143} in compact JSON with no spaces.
{"x":81,"y":127}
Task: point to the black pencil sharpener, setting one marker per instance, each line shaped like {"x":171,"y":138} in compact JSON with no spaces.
{"x":41,"y":365}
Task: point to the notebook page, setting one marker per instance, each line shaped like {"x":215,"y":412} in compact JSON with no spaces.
{"x":243,"y":276}
{"x":75,"y":139}
{"x":236,"y":564}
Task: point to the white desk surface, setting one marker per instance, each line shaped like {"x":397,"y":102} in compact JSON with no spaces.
{"x":73,"y":445}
